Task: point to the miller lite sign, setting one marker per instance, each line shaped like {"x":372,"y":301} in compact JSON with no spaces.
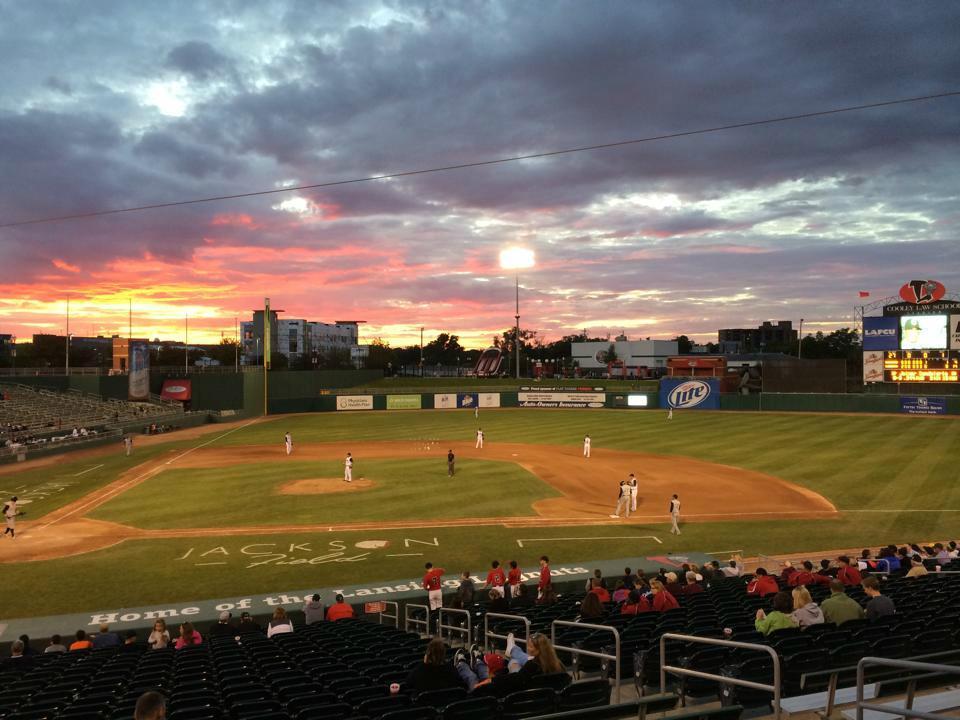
{"x":686,"y":394}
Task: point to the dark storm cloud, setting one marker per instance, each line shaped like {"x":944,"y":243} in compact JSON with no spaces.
{"x":198,"y":59}
{"x":189,"y":159}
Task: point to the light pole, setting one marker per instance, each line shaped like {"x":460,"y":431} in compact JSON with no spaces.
{"x":800,"y":341}
{"x":421,"y":352}
{"x":67,"y":366}
{"x":516,"y":258}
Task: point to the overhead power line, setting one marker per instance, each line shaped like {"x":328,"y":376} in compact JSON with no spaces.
{"x":482,"y":163}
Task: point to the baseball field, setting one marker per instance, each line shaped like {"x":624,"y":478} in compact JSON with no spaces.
{"x":222,"y":510}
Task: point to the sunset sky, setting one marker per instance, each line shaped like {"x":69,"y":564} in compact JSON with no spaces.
{"x":119,"y":104}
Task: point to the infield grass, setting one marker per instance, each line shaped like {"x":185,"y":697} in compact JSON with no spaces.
{"x":248,"y":494}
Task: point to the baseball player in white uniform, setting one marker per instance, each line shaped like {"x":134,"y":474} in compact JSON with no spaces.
{"x":623,"y":500}
{"x":10,"y":515}
{"x":288,"y":441}
{"x":128,"y":444}
{"x":632,"y":484}
{"x":670,"y":414}
{"x":348,"y":468}
{"x":586,"y":446}
{"x":674,"y":515}
{"x":480,"y":438}
{"x":476,"y":410}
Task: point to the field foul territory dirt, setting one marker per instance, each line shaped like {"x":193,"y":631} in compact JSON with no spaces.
{"x":588,"y":487}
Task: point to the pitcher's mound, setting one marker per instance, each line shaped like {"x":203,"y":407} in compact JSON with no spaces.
{"x":321,"y":486}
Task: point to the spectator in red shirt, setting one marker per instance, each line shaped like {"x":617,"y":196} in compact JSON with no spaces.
{"x":599,"y":590}
{"x":635,"y":604}
{"x":514,"y":577}
{"x":339,"y":610}
{"x":762,"y":584}
{"x":848,"y":574}
{"x":807,"y":576}
{"x":673,"y":585}
{"x":495,"y":578}
{"x":432,"y":584}
{"x":662,"y":599}
{"x":545,"y":580}
{"x":693,"y":585}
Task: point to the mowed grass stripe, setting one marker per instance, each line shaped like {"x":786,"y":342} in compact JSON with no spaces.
{"x":247,"y":494}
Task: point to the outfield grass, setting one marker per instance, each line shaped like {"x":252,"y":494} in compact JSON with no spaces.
{"x":890,"y":466}
{"x":855,"y":461}
{"x":247,"y":494}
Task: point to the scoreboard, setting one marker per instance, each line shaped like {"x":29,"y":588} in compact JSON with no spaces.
{"x":937,"y":366}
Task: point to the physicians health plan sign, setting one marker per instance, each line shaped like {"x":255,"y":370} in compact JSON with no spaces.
{"x":561,"y":399}
{"x":354,"y":402}
{"x":690,"y":394}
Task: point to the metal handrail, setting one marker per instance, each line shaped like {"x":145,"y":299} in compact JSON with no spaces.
{"x":590,"y":653}
{"x":833,"y":677}
{"x":907,"y":710}
{"x":775,"y":688}
{"x":504,"y":616}
{"x":408,"y":621}
{"x":396,"y":613}
{"x":454,"y":628}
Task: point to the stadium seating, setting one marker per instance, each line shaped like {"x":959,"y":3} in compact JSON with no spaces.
{"x":344,"y":669}
{"x":40,"y":409}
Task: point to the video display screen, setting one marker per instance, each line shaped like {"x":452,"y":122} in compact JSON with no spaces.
{"x":923,"y":332}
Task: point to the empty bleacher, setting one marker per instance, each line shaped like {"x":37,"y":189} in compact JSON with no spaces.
{"x":41,"y":411}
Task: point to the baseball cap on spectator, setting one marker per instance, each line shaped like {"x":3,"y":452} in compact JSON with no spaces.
{"x":495,"y":663}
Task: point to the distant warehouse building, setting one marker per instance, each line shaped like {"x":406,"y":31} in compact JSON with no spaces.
{"x":632,"y":357}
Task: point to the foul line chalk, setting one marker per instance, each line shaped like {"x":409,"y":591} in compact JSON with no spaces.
{"x":521,"y":541}
{"x":100,"y":499}
{"x":84,"y":472}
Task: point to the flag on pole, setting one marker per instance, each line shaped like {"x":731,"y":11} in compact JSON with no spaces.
{"x":864,"y":293}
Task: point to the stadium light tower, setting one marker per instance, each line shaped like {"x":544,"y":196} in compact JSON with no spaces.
{"x":517,"y":259}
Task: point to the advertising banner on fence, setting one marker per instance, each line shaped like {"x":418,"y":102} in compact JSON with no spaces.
{"x":923,"y":405}
{"x":955,"y":332}
{"x":561,"y":399}
{"x":444,"y":401}
{"x":176,"y":390}
{"x":403,"y":402}
{"x":632,"y":401}
{"x":467,"y":400}
{"x":690,"y":394}
{"x":873,"y":367}
{"x":354,"y":402}
{"x":489,"y":399}
{"x":139,"y":385}
{"x":880,"y":333}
